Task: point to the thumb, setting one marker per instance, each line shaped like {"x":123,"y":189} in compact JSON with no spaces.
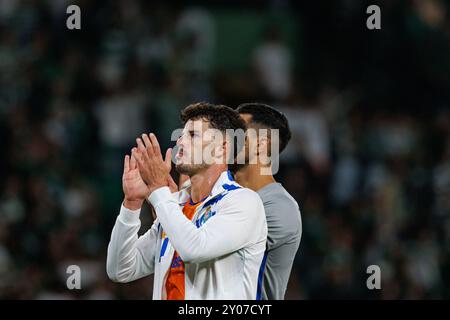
{"x":172,"y":185}
{"x":168,"y":159}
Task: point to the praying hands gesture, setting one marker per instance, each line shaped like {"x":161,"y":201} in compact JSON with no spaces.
{"x":145,"y":171}
{"x":154,"y":170}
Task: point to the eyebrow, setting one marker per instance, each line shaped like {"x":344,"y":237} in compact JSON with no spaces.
{"x":191,"y":131}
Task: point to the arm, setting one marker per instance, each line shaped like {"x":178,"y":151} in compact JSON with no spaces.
{"x":283,"y":222}
{"x":232,"y":227}
{"x":129,"y":257}
{"x":229,"y":230}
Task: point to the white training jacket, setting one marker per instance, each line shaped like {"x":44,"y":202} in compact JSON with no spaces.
{"x":222,"y":247}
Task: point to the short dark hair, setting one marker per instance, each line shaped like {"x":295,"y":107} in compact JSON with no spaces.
{"x":269,"y":117}
{"x":220,"y":117}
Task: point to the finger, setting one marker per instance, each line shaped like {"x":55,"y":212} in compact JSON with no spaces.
{"x":137,"y":155}
{"x":126,"y":164}
{"x":134,"y":156}
{"x":155,"y":143}
{"x":168,"y":159}
{"x":147,"y":142}
{"x":142,"y":150}
{"x":148,"y":145}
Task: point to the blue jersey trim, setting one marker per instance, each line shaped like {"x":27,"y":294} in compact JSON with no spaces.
{"x":230,"y":187}
{"x":194,"y":203}
{"x":261,"y":277}
{"x":213,"y":200}
{"x":163,"y":248}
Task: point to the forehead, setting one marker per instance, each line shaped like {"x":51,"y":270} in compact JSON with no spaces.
{"x":197,"y":124}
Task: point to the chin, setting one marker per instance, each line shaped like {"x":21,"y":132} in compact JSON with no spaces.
{"x":182,"y":169}
{"x":189,"y":169}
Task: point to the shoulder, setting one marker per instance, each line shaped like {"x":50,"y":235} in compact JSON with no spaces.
{"x":278,"y":196}
{"x":243,"y":199}
{"x":236,"y":192}
{"x":246,"y":194}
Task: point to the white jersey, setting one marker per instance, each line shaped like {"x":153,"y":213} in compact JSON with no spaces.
{"x":222,"y":246}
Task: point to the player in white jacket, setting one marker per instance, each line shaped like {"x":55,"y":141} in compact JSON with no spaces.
{"x":208,"y":240}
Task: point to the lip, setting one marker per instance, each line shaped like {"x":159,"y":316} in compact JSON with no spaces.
{"x":179,"y":154}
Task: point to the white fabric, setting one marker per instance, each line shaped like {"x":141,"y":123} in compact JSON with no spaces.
{"x":222,"y":247}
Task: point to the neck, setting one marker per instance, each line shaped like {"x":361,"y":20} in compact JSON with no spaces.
{"x":250,"y":177}
{"x":203,"y":182}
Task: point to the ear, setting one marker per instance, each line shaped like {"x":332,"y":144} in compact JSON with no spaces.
{"x":219,"y":147}
{"x":225,"y":147}
{"x":263,"y":145}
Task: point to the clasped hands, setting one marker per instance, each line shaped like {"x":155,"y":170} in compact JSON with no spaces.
{"x":145,"y":171}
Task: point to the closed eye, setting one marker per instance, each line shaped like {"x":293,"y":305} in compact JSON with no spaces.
{"x":193,"y":133}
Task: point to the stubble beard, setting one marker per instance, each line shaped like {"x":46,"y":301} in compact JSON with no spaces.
{"x":190,"y":169}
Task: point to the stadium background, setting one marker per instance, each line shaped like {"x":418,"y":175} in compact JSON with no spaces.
{"x":369,"y":162}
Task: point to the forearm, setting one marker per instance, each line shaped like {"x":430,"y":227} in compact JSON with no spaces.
{"x":224,"y":233}
{"x":129,"y":257}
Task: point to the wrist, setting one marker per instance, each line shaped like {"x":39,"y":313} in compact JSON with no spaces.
{"x":160,"y":195}
{"x":156,"y":187}
{"x":132,"y":204}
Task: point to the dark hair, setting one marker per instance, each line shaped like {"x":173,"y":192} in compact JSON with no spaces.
{"x":269,"y":117}
{"x":219,"y":117}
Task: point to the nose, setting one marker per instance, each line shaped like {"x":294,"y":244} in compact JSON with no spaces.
{"x":180,"y":141}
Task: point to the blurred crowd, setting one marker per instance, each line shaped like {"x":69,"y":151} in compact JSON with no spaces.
{"x":369,"y":161}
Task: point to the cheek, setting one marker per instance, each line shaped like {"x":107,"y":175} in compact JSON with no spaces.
{"x":188,"y":144}
{"x":192,"y":148}
{"x":198,"y":144}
